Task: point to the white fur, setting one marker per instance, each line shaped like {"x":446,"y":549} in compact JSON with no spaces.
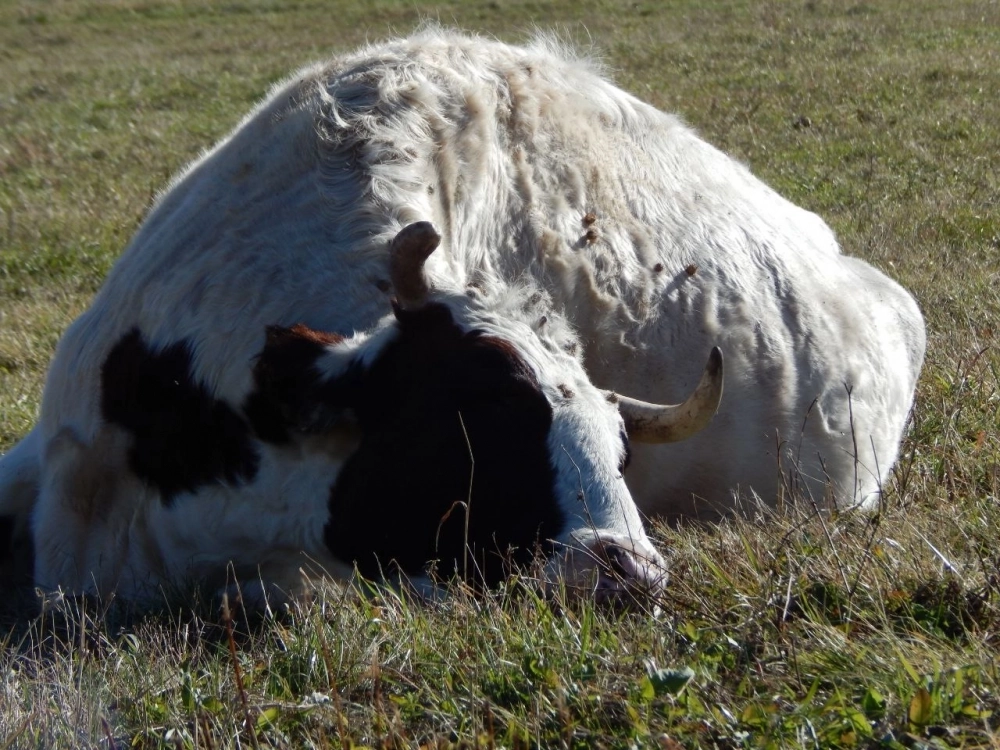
{"x":505,"y":149}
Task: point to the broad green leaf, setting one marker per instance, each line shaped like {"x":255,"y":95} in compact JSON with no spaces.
{"x":669,"y":681}
{"x":268,"y":716}
{"x":873,"y":704}
{"x":859,"y":722}
{"x":646,"y":689}
{"x":920,"y":708}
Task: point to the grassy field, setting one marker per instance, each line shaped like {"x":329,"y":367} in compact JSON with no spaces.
{"x":789,"y":631}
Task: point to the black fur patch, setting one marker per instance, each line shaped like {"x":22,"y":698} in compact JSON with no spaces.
{"x":290,"y":396}
{"x":16,"y":554}
{"x":183,"y":438}
{"x":434,"y":395}
{"x":6,"y":535}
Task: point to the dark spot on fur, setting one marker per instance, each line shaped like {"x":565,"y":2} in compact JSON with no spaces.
{"x":566,"y":391}
{"x":658,"y":268}
{"x":434,"y":395}
{"x":6,"y":534}
{"x":591,"y":236}
{"x":290,"y":396}
{"x":691,"y":269}
{"x":16,"y":554}
{"x":183,"y":438}
{"x":320,"y":338}
{"x":589,"y":218}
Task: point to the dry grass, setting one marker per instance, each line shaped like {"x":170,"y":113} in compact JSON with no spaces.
{"x":779,"y":630}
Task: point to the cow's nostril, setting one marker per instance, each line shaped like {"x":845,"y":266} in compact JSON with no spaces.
{"x":626,"y":575}
{"x":619,"y":560}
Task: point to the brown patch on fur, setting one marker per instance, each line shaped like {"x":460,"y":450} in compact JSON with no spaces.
{"x":591,"y":236}
{"x":507,"y":348}
{"x":691,"y":270}
{"x":245,"y":170}
{"x":299,"y":330}
{"x":566,"y":391}
{"x":658,"y":268}
{"x":589,"y":218}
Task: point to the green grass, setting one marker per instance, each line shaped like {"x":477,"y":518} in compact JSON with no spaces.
{"x":784,"y":630}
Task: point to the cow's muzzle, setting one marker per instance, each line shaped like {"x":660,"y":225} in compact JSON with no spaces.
{"x":615,"y":571}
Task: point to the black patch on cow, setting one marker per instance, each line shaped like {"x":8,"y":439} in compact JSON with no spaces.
{"x":290,"y":396}
{"x":16,"y":553}
{"x":7,"y":524}
{"x":433,"y":393}
{"x":183,"y":438}
{"x":6,"y":534}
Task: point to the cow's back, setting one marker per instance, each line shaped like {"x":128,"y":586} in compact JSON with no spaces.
{"x":659,"y":246}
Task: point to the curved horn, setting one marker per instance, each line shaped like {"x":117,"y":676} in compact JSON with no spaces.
{"x":407,"y":254}
{"x":669,"y":423}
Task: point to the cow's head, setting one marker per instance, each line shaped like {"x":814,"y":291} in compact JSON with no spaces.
{"x":481,"y":440}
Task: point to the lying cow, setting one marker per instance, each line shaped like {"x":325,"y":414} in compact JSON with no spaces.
{"x":458,"y":429}
{"x":243,"y":388}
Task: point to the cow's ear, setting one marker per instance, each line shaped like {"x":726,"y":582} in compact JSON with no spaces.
{"x":293,"y":393}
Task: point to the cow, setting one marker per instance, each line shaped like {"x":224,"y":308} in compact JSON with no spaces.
{"x":460,"y":431}
{"x":386,"y":323}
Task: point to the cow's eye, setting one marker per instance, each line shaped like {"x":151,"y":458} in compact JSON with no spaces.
{"x":626,"y":458}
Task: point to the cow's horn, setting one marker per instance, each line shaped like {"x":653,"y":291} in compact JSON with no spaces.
{"x":407,"y":254}
{"x":668,"y":423}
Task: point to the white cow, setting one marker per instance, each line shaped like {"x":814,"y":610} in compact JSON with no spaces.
{"x":241,"y":389}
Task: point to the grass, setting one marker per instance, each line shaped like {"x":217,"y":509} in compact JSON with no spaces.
{"x":779,"y":630}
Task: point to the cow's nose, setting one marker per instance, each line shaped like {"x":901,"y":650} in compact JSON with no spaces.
{"x":616,"y":572}
{"x":625,"y":574}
